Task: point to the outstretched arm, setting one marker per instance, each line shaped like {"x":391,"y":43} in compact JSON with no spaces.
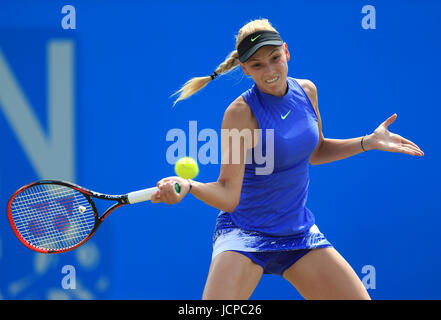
{"x":329,"y":150}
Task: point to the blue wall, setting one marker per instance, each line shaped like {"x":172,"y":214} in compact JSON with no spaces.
{"x":378,"y":209}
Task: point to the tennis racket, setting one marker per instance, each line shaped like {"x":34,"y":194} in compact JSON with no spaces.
{"x":51,"y":216}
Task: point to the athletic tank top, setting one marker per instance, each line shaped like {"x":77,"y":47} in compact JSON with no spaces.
{"x":274,"y":202}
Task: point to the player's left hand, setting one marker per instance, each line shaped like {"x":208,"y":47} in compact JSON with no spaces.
{"x":384,"y":140}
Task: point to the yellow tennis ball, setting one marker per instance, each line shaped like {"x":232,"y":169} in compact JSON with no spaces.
{"x":186,"y":168}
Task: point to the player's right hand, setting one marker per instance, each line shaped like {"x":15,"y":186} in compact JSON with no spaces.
{"x":167,"y":193}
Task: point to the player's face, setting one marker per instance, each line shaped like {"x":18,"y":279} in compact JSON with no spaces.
{"x":269,"y":68}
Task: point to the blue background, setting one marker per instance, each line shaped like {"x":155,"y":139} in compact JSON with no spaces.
{"x":379,"y":209}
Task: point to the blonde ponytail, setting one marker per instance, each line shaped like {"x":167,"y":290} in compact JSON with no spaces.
{"x":195,"y":84}
{"x":232,"y":61}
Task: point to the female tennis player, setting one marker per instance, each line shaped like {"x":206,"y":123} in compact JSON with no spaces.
{"x":263,"y":225}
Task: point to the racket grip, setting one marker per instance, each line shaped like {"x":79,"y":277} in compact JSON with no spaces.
{"x":141,"y":195}
{"x":146,"y":194}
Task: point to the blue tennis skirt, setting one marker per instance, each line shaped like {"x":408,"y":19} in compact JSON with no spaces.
{"x":263,"y":249}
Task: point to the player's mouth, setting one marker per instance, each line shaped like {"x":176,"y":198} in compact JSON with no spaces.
{"x":269,"y":81}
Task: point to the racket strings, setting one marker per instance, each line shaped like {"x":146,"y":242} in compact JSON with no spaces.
{"x":43,"y":227}
{"x":47,"y":216}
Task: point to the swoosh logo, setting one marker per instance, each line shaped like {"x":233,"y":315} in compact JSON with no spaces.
{"x":254,"y":39}
{"x":284,"y":116}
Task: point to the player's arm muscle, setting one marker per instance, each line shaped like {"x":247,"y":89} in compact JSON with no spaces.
{"x":224,"y":194}
{"x":311,"y":91}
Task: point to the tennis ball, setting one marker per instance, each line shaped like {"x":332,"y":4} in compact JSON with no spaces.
{"x":186,"y":168}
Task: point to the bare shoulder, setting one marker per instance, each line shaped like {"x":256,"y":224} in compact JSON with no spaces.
{"x":311,"y":90}
{"x":308,"y":86}
{"x":239,"y":115}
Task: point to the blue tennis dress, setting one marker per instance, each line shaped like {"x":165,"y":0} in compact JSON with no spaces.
{"x":272,"y":213}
